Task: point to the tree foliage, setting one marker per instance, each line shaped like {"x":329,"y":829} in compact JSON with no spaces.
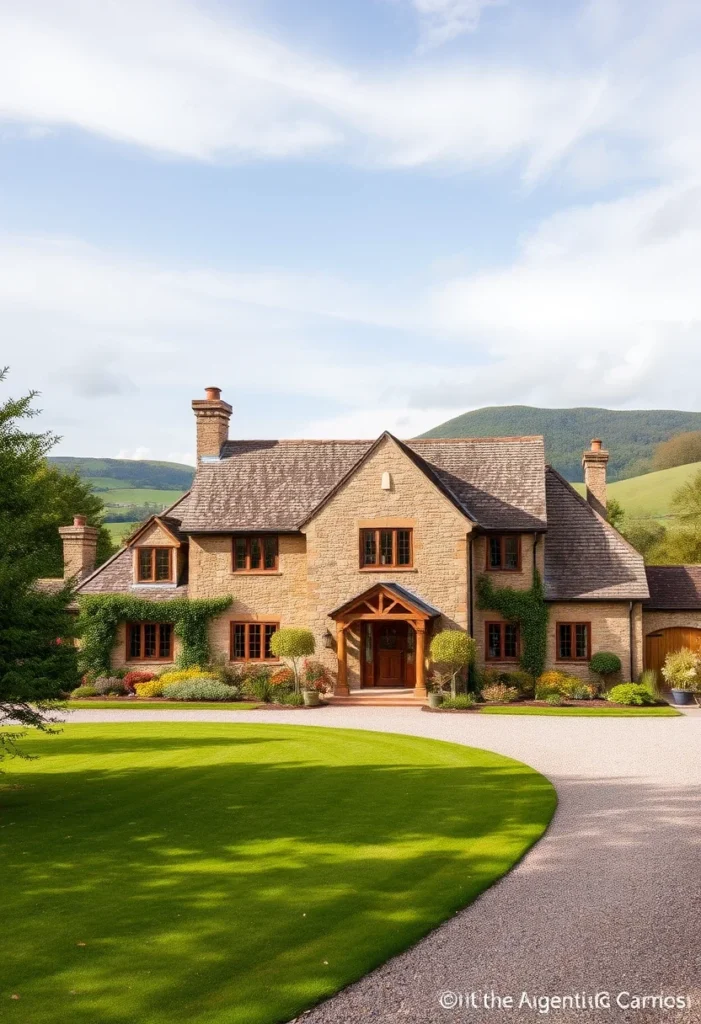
{"x":37,"y":658}
{"x":101,"y":615}
{"x":293,"y":644}
{"x":454,"y":649}
{"x":678,"y":451}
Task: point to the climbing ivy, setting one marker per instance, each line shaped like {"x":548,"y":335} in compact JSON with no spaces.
{"x":528,"y":608}
{"x":101,"y":615}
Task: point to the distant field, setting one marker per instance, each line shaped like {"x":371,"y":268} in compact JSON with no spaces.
{"x":649,"y":496}
{"x":118,"y":530}
{"x":140,"y":496}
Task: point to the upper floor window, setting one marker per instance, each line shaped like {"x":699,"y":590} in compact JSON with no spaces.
{"x":255,"y":554}
{"x":386,"y":548}
{"x":573,"y":641}
{"x":149,"y":641}
{"x":504,"y":552}
{"x":154,"y":565}
{"x":250,"y":641}
{"x":502,"y":641}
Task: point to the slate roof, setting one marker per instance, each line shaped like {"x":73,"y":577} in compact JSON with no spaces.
{"x":585,"y":557}
{"x":278,"y":485}
{"x":674,"y":587}
{"x":115,"y":576}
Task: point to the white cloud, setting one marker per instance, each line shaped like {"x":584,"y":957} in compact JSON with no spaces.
{"x":136,"y":454}
{"x":444,"y":20}
{"x":179,"y":80}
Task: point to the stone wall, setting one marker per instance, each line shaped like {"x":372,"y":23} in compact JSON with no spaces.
{"x":652,"y":621}
{"x":610,"y":631}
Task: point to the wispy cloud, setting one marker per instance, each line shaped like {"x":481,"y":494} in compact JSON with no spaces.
{"x":444,"y":20}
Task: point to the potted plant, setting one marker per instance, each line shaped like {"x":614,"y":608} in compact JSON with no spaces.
{"x":682,"y":670}
{"x":316,"y":682}
{"x":436,"y":683}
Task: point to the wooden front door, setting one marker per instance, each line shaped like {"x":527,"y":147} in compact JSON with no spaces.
{"x":391,"y":645}
{"x":665,"y":641}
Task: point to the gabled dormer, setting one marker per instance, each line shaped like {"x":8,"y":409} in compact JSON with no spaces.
{"x":159,"y":554}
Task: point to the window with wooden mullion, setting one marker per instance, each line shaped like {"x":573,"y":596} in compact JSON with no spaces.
{"x":573,"y":641}
{"x":504,"y":552}
{"x":255,"y":553}
{"x":385,"y":548}
{"x":150,"y":641}
{"x":250,"y":641}
{"x":154,"y":565}
{"x":502,"y":641}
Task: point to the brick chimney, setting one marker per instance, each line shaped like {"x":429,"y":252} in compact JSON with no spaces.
{"x":79,"y":548}
{"x":212,"y":416}
{"x":594,"y":464}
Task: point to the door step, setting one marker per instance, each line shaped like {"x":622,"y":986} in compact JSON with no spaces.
{"x":384,"y":698}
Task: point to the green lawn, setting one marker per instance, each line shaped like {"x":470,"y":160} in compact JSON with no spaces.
{"x":150,"y":705}
{"x":118,"y":531}
{"x":140,"y":496}
{"x":655,"y":711}
{"x":649,"y":496}
{"x":236,"y":874}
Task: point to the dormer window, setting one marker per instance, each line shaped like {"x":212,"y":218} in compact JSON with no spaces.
{"x":154,"y":565}
{"x":255,"y":554}
{"x":504,"y":553}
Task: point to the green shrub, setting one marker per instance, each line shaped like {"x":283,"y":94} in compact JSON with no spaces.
{"x":178,"y":675}
{"x":84,"y":691}
{"x":500,"y":692}
{"x":293,"y":644}
{"x":523,"y":681}
{"x":682,"y":669}
{"x":648,"y":679}
{"x":201,"y":688}
{"x":571,"y":686}
{"x":605,"y":664}
{"x":109,"y":684}
{"x":554,"y":700}
{"x":257,"y":684}
{"x":152,"y":689}
{"x":454,"y":649}
{"x":461,"y":702}
{"x":293,"y":699}
{"x":543,"y":691}
{"x":630,"y":693}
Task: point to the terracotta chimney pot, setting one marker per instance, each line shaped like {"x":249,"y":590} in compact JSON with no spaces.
{"x":212,"y":417}
{"x":80,"y":521}
{"x":213,"y":394}
{"x":596,"y":445}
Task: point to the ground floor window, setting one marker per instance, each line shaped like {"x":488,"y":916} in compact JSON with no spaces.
{"x":573,"y":641}
{"x":149,"y":641}
{"x":250,"y":641}
{"x":502,"y":641}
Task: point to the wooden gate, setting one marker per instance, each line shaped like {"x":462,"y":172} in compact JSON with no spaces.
{"x":664,"y":641}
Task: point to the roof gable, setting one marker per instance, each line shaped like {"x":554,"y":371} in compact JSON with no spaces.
{"x":585,"y":557}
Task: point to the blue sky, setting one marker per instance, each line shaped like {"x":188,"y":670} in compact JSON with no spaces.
{"x":349,"y":216}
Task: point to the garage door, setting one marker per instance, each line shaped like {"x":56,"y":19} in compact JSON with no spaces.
{"x":658,"y":645}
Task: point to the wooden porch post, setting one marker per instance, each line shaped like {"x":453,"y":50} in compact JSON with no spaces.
{"x":341,"y":688}
{"x":420,"y":688}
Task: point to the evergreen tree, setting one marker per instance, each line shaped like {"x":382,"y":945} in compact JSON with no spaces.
{"x":37,"y":657}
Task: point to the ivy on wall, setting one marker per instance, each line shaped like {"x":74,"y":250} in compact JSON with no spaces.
{"x":101,"y":615}
{"x":528,"y":608}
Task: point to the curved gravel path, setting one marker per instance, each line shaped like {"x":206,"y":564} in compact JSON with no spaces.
{"x":608,"y":901}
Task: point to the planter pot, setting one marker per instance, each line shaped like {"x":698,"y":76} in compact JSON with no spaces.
{"x":435,"y":700}
{"x":311,"y":699}
{"x":682,"y":696}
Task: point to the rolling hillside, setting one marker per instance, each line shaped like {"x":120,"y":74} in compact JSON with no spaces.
{"x":648,"y":496}
{"x":630,"y":436}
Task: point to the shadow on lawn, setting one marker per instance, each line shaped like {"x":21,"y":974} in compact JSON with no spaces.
{"x":250,"y":886}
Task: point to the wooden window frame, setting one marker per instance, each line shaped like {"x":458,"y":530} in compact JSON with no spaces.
{"x":501,"y":537}
{"x":153,"y":549}
{"x":247,"y":623}
{"x":261,"y":538}
{"x":502,"y":657}
{"x":573,"y":642}
{"x":142,"y":656}
{"x":393,"y":565}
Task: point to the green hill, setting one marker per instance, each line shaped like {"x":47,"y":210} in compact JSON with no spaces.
{"x":629,"y":435}
{"x":131,"y":490}
{"x":113,"y":474}
{"x":649,"y":496}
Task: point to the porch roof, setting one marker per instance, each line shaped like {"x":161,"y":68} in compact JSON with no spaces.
{"x":391,"y":589}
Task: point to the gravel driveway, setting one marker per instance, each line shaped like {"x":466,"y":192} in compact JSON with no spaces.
{"x":608,"y":901}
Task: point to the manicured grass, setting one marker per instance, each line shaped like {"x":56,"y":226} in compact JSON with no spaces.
{"x":236,"y":874}
{"x":656,"y":711}
{"x":118,"y":531}
{"x":151,"y":705}
{"x":140,"y":496}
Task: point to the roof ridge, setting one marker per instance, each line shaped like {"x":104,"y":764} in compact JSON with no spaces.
{"x":371,"y":440}
{"x":454,"y":440}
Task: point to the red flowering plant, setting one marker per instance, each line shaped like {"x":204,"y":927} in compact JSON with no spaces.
{"x":316,"y":677}
{"x":283,"y":677}
{"x":137,"y":676}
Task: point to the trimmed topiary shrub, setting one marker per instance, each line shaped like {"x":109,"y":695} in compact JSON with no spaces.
{"x":201,"y":688}
{"x":293,"y":644}
{"x":605,"y":664}
{"x":454,"y":649}
{"x":630,"y":693}
{"x":84,"y":691}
